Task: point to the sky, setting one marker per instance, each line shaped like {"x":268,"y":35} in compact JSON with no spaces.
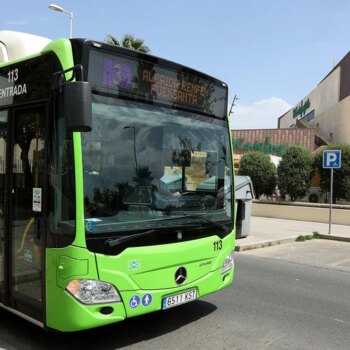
{"x":271,"y":53}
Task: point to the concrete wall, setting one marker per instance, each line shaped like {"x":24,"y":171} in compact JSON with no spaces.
{"x":335,"y":120}
{"x":322,"y":98}
{"x":309,"y":212}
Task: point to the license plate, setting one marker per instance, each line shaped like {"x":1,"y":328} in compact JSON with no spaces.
{"x":178,"y":299}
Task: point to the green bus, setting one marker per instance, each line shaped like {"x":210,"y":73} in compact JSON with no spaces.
{"x":116,"y":183}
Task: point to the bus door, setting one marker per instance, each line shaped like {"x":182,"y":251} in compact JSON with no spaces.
{"x":24,"y":205}
{"x":3,"y":133}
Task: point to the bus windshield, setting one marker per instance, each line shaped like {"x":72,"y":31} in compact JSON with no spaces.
{"x":149,"y":167}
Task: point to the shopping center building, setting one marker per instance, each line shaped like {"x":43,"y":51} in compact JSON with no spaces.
{"x":274,"y":141}
{"x":320,"y":118}
{"x":327,"y":107}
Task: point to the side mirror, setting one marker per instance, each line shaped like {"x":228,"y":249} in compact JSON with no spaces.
{"x":78,"y":106}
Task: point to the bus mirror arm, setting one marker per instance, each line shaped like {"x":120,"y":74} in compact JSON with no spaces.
{"x":60,"y":77}
{"x":77,"y":98}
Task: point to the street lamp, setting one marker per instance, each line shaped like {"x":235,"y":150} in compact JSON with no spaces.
{"x":61,"y":9}
{"x":132,"y":127}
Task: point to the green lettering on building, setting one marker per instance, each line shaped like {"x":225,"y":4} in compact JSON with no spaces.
{"x":267,"y":147}
{"x":258,"y":146}
{"x":301,"y":109}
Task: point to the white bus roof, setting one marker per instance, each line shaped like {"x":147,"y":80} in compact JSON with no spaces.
{"x":15,"y":45}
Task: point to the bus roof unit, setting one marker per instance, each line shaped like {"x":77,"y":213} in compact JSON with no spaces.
{"x":15,"y":45}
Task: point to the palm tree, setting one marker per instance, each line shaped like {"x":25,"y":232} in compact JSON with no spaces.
{"x":128,"y":41}
{"x":143,"y":176}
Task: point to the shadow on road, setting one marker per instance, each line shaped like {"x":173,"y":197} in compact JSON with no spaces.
{"x":20,"y":334}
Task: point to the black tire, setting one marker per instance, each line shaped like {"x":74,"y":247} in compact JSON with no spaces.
{"x":313,"y":198}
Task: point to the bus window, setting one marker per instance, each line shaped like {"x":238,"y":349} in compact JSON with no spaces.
{"x":62,"y":187}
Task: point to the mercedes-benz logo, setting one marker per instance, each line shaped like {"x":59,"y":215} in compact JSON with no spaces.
{"x":180,"y":275}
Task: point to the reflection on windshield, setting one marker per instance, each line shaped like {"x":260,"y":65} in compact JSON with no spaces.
{"x":142,"y":162}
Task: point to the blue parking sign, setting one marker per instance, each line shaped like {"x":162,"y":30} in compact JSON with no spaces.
{"x":332,"y":159}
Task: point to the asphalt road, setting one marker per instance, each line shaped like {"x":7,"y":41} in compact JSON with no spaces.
{"x":274,"y":304}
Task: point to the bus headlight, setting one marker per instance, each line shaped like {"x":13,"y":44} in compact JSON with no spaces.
{"x":93,"y":292}
{"x":228,"y":263}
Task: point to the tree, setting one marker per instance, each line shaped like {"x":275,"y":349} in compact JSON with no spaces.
{"x":143,"y":176}
{"x":341,"y":177}
{"x":261,"y":171}
{"x":129,"y":42}
{"x":295,"y":171}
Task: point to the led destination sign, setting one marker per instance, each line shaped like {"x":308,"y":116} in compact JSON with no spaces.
{"x":182,"y":91}
{"x":150,"y":82}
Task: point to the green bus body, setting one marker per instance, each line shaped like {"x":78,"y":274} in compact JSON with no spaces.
{"x":155,"y":276}
{"x":143,"y":275}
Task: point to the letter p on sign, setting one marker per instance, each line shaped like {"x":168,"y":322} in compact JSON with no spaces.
{"x":332,"y":159}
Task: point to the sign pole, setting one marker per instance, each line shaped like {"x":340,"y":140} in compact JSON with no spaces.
{"x":331,"y":160}
{"x":330,"y":203}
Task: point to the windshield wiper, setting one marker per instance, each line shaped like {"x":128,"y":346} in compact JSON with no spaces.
{"x":115,"y":242}
{"x":200,"y":216}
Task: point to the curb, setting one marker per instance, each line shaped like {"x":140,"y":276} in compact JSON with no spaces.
{"x":335,"y":238}
{"x":263,"y":244}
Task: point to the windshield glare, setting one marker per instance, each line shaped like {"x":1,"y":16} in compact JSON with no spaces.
{"x":144,"y":164}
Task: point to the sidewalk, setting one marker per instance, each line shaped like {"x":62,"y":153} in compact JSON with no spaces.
{"x":265,"y":232}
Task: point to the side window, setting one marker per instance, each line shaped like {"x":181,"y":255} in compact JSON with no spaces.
{"x":62,"y":187}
